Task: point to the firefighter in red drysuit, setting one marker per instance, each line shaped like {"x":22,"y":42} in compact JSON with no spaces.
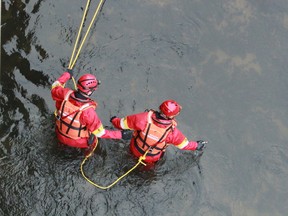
{"x":155,"y":130}
{"x":76,"y":119}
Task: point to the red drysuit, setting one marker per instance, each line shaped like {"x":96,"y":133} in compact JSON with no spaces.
{"x":87,"y":118}
{"x":139,"y":122}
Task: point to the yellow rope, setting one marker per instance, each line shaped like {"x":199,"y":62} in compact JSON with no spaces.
{"x":74,"y":58}
{"x":72,"y":62}
{"x":140,"y":160}
{"x":78,"y":35}
{"x":75,"y":86}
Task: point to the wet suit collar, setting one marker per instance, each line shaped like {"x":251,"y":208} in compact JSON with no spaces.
{"x":159,"y":119}
{"x":159,"y":116}
{"x":79,"y":97}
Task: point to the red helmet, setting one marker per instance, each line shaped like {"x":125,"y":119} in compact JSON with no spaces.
{"x":87,"y":84}
{"x":170,"y":108}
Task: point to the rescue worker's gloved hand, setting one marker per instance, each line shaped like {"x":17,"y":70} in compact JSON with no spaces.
{"x":111,"y":119}
{"x":201,"y":145}
{"x":91,"y":139}
{"x":70,"y":71}
{"x":126,"y":134}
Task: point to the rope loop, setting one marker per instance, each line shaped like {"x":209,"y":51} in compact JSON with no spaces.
{"x":140,"y":161}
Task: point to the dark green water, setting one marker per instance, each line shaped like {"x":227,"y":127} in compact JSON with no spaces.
{"x":224,"y":61}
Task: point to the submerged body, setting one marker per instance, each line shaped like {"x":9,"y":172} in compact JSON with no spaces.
{"x":76,"y":118}
{"x":154,"y":133}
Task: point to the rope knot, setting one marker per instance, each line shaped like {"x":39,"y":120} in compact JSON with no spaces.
{"x":141,"y":158}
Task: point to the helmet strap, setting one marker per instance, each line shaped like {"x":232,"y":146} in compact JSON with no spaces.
{"x":89,"y":95}
{"x":83,"y":95}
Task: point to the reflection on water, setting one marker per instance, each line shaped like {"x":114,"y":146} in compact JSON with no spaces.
{"x":225,"y":62}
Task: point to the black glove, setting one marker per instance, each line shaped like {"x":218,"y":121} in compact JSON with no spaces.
{"x":91,"y":139}
{"x":126,"y":134}
{"x":113,"y":117}
{"x":70,"y":71}
{"x":201,"y":145}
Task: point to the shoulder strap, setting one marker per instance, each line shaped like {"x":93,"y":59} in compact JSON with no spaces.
{"x":149,"y":117}
{"x":68,"y":95}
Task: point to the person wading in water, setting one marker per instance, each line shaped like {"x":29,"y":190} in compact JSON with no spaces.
{"x":77,"y":122}
{"x":154,"y":131}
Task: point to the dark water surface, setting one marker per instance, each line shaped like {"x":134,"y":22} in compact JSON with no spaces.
{"x":224,"y":61}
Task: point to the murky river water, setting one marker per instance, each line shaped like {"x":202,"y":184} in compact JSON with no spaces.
{"x":224,"y":61}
